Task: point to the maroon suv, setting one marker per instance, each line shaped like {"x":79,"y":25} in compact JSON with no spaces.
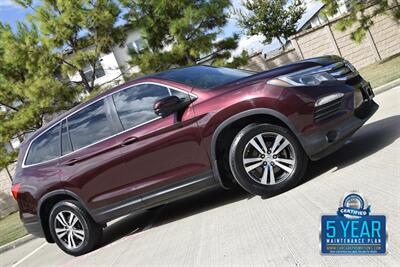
{"x":172,"y":134}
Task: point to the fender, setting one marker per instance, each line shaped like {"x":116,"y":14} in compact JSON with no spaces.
{"x":238,"y":116}
{"x":61,"y":192}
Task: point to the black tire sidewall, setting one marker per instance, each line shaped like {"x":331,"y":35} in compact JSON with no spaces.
{"x":90,"y":228}
{"x":236,"y":160}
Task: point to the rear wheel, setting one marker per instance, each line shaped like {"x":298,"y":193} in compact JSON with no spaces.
{"x":267,"y":159}
{"x":73,"y":230}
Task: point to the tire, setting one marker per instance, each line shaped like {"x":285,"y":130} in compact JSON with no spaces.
{"x":287,"y":160}
{"x":85,"y":234}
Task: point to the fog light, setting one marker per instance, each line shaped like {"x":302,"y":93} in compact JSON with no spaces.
{"x":331,"y":136}
{"x":329,"y":98}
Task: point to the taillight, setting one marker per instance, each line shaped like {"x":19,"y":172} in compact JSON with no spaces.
{"x":15,"y":190}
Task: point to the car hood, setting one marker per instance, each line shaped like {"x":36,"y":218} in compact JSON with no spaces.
{"x":285,"y":69}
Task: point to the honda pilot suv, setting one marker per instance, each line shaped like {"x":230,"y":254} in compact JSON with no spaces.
{"x":173,"y":134}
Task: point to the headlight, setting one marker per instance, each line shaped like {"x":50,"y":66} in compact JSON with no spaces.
{"x":305,"y":77}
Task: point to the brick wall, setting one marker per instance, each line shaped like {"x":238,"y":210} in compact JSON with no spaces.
{"x":258,"y":63}
{"x":386,"y":35}
{"x":7,"y":202}
{"x":315,"y":43}
{"x":380,"y":42}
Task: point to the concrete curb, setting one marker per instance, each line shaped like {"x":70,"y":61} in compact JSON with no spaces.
{"x":385,"y":87}
{"x":16,"y":243}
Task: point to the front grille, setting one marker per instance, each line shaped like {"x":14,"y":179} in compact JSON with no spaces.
{"x":327,"y":110}
{"x":342,"y":71}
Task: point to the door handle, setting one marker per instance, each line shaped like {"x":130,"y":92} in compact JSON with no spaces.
{"x":129,"y":141}
{"x":71,"y":162}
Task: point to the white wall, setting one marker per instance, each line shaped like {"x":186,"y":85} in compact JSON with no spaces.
{"x":122,"y":53}
{"x":111,"y":68}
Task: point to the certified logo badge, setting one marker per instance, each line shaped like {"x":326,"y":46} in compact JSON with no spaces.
{"x":353,"y":230}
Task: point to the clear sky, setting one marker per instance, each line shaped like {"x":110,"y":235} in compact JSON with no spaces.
{"x":10,"y":12}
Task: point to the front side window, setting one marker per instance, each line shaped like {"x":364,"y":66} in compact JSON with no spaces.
{"x":46,"y":147}
{"x":90,"y":125}
{"x":179,"y":94}
{"x":135,"y":105}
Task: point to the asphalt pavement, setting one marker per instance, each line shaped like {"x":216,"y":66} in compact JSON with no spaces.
{"x":233,"y":228}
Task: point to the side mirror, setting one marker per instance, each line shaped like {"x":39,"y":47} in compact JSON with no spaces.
{"x":169,"y":105}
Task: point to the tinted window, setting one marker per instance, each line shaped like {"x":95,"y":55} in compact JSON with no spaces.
{"x":204,"y":77}
{"x":179,"y":94}
{"x":135,"y":105}
{"x":89,"y":125}
{"x":45,"y":147}
{"x":65,"y":142}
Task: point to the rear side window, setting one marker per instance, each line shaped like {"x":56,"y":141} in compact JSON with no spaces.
{"x":46,"y":147}
{"x":135,"y":105}
{"x":90,"y":125}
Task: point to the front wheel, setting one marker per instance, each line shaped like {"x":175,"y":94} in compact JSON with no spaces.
{"x":73,"y":230}
{"x":267,"y":159}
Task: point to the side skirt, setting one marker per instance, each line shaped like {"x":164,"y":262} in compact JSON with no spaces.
{"x":163,"y":195}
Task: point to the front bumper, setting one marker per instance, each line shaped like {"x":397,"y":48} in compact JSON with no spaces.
{"x":330,"y":139}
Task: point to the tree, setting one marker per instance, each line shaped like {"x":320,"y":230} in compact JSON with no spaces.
{"x":78,"y":31}
{"x":271,"y":18}
{"x":361,"y":15}
{"x":63,"y":38}
{"x":180,"y":33}
{"x":28,"y":88}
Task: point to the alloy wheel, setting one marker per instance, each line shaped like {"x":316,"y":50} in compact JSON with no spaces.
{"x":269,"y":158}
{"x":69,"y":229}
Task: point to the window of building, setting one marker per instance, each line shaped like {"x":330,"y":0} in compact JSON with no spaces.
{"x":88,"y":71}
{"x":137,"y":45}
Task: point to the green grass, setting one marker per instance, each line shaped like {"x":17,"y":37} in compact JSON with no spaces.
{"x":382,"y":72}
{"x":11,"y":228}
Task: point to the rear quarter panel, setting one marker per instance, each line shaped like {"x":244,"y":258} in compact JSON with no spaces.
{"x":35,"y":182}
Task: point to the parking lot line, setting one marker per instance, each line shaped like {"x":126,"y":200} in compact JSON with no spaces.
{"x":30,"y":254}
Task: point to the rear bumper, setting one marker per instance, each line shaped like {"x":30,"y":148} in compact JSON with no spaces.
{"x":330,"y":139}
{"x":34,"y":228}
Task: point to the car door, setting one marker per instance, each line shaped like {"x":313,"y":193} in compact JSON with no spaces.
{"x":91,"y":164}
{"x":160,"y":153}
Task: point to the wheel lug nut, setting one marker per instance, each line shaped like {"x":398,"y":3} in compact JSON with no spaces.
{"x":269,"y":151}
{"x":274,"y":156}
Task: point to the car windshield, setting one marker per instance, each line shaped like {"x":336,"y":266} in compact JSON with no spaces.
{"x":204,"y":77}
